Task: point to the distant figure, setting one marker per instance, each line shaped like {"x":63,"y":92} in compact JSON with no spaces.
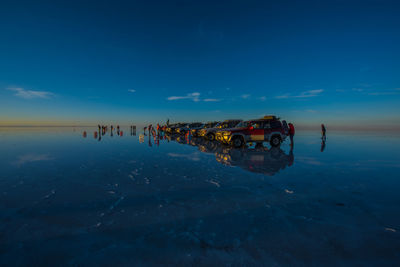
{"x":99,"y":127}
{"x":168,"y":122}
{"x":150,"y":128}
{"x":158,"y":128}
{"x":323,"y":146}
{"x":323,"y":131}
{"x":291,"y":133}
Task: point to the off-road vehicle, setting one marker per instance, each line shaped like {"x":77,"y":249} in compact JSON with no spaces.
{"x":267,"y":129}
{"x":209,"y":133}
{"x":195,"y":130}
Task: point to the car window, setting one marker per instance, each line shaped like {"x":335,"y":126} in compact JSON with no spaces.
{"x":224,"y":125}
{"x":267,"y":125}
{"x":257,"y":125}
{"x":275,"y":124}
{"x":242,"y":124}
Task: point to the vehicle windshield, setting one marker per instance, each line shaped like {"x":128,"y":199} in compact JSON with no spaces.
{"x":242,"y":124}
{"x":196,"y":124}
{"x":211,"y":124}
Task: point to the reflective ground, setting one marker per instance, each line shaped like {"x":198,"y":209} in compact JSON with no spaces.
{"x":130,"y":200}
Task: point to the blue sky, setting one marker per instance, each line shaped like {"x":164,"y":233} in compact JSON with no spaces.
{"x":82,"y":62}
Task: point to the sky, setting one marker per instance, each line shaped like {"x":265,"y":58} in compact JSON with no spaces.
{"x":134,"y":62}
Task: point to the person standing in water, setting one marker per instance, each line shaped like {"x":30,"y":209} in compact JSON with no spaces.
{"x":291,"y":133}
{"x":323,"y":131}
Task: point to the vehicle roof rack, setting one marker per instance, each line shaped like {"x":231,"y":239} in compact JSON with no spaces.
{"x":270,"y":117}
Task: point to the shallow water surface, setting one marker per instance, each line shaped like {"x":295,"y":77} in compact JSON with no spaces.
{"x":131,"y":199}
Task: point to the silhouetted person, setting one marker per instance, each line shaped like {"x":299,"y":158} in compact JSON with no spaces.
{"x":291,"y":133}
{"x":323,"y":131}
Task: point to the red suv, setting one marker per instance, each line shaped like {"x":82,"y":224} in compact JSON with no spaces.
{"x":268,"y":128}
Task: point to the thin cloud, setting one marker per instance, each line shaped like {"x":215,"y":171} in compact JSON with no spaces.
{"x":211,"y":100}
{"x":384,"y":93}
{"x":263,"y":98}
{"x":195,"y":97}
{"x":29,"y":94}
{"x":310,"y":93}
{"x":282,"y":96}
{"x":132,"y":90}
{"x":245,"y":96}
{"x":306,"y":94}
{"x":192,"y":96}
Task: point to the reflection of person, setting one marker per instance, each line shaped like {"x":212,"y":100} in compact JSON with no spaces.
{"x":323,"y":146}
{"x":323,"y":131}
{"x":291,"y":133}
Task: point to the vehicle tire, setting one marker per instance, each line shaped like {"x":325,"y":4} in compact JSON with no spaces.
{"x":275,"y":141}
{"x":211,"y":136}
{"x":237,"y":141}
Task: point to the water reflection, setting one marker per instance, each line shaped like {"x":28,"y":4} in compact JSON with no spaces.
{"x":66,"y":201}
{"x":323,"y":145}
{"x":257,"y":159}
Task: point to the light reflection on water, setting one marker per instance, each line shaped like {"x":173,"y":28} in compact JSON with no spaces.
{"x":66,"y":199}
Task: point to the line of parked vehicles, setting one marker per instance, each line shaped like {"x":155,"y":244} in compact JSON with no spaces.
{"x":236,"y":132}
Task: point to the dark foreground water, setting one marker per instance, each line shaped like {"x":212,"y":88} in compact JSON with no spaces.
{"x":124,"y":200}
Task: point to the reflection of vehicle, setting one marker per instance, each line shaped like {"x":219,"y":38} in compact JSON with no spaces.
{"x":172,"y":128}
{"x":209,"y":133}
{"x":260,"y":160}
{"x":195,"y":130}
{"x":205,"y":145}
{"x":268,"y":128}
{"x":184,"y":129}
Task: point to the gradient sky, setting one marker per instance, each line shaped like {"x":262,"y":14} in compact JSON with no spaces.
{"x":82,"y":62}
